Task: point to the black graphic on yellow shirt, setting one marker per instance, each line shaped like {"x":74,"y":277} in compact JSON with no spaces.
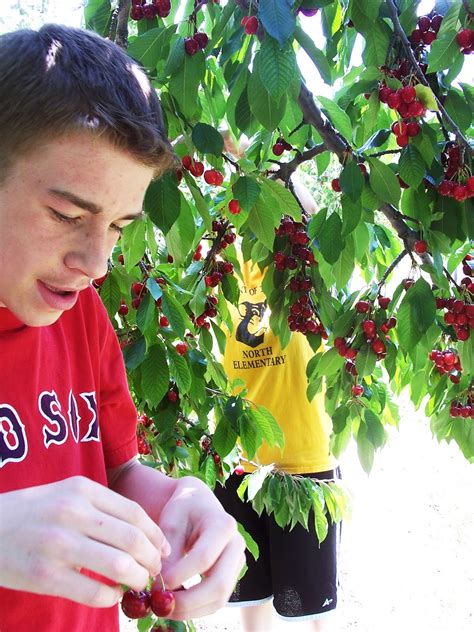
{"x":250,"y":330}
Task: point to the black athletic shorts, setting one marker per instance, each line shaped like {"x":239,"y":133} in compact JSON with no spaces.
{"x":292,"y":568}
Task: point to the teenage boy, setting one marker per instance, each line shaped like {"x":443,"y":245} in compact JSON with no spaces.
{"x":81,"y":137}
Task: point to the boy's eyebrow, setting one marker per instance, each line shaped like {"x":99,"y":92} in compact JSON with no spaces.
{"x":92,"y":207}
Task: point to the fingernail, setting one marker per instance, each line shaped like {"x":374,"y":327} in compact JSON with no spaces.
{"x":165,"y":548}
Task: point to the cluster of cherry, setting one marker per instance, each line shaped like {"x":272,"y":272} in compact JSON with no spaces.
{"x":447,"y":361}
{"x":141,"y":9}
{"x":457,"y":182}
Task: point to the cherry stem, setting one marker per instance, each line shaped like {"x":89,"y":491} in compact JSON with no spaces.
{"x":450,"y":278}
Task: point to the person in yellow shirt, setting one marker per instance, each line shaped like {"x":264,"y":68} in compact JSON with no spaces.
{"x":293,"y":570}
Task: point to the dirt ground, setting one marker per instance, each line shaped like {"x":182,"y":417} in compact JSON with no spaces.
{"x":407,"y":555}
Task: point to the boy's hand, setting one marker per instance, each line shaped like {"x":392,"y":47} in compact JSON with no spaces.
{"x":204,"y":541}
{"x":50,"y":532}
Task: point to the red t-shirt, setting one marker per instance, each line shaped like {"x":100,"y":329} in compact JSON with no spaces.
{"x":65,"y":410}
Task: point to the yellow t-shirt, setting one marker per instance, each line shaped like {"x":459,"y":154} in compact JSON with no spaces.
{"x":276,"y":379}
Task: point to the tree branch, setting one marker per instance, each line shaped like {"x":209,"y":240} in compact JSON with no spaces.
{"x":419,"y":75}
{"x":122,"y":23}
{"x":334,"y":142}
{"x":392,"y":267}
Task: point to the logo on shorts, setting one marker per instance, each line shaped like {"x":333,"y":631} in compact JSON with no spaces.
{"x":327,"y":602}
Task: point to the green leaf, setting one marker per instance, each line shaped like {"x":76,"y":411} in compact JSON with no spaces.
{"x":250,"y":543}
{"x":277,"y":19}
{"x":351,"y":214}
{"x":338,"y":117}
{"x":407,"y":331}
{"x":180,"y":370}
{"x":155,"y":375}
{"x":185,"y":83}
{"x":263,"y":220}
{"x":148,"y":47}
{"x":277,"y":67}
{"x":422,"y":304}
{"x":352,"y":180}
{"x":458,"y":109}
{"x":210,"y":473}
{"x":365,"y":361}
{"x":181,"y":235}
{"x":133,"y":243}
{"x":330,"y":362}
{"x":207,"y":139}
{"x":411,"y":166}
{"x":224,"y":437}
{"x":283,"y":199}
{"x":110,"y":295}
{"x":249,"y":437}
{"x":377,"y":38}
{"x":315,"y":54}
{"x":384,"y":182}
{"x":320,"y":521}
{"x":426,"y":96}
{"x":267,"y":110}
{"x":162,"y":202}
{"x":175,"y":313}
{"x":269,"y":427}
{"x":256,"y":479}
{"x":146,"y":312}
{"x":375,"y":430}
{"x":331,"y":242}
{"x":97,"y":15}
{"x":365,"y":449}
{"x":246,"y":190}
{"x":445,"y":50}
{"x":134,"y":354}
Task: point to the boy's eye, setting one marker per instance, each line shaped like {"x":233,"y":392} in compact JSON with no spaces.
{"x":64,"y":218}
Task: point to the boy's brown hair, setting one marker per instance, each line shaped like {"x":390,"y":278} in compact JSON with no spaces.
{"x":59,"y":80}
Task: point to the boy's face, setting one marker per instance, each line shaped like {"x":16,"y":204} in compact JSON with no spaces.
{"x":61,"y":208}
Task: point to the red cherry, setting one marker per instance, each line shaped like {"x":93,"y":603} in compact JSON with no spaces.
{"x":239,"y":470}
{"x":424,"y":23}
{"x":394,"y":100}
{"x":137,"y":288}
{"x":136,"y":605}
{"x":234,"y":207}
{"x":227,"y":268}
{"x":251,"y":25}
{"x":429,"y":37}
{"x":123,"y":309}
{"x":335,"y":185}
{"x":202,"y":39}
{"x":460,"y":192}
{"x":163,"y":7}
{"x":470,"y":184}
{"x":446,"y":187}
{"x":465,"y":38}
{"x":416,"y":37}
{"x":378,"y":346}
{"x":420,"y":246}
{"x":172,"y":395}
{"x":362,"y":307}
{"x":416,"y":108}
{"x":384,"y":301}
{"x":164,"y":322}
{"x":181,"y":348}
{"x":408,"y":94}
{"x":399,"y":128}
{"x":216,"y":458}
{"x":191,"y":46}
{"x":357,"y":390}
{"x":436,"y":22}
{"x":413,"y":128}
{"x":369,"y":328}
{"x":402,"y":141}
{"x":278,"y":148}
{"x":162,"y":602}
{"x":136,"y":12}
{"x":384,"y":93}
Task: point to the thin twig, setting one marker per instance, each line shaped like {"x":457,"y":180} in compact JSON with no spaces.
{"x":391,"y":267}
{"x":384,"y":153}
